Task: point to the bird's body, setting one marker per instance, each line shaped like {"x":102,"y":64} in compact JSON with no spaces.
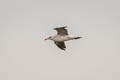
{"x":61,"y":37}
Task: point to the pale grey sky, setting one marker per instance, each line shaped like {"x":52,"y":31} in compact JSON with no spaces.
{"x":24,"y":55}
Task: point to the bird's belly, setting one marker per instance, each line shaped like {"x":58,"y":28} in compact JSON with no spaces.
{"x":61,"y":39}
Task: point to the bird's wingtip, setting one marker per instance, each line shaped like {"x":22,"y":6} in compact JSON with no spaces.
{"x":60,"y":27}
{"x":64,"y":49}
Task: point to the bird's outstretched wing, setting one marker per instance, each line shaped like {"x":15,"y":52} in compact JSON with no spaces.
{"x":61,"y":45}
{"x":61,"y":30}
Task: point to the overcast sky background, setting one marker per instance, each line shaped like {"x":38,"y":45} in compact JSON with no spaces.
{"x":24,"y":55}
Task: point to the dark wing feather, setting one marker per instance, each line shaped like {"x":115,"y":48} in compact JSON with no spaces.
{"x":61,"y":45}
{"x":61,"y":30}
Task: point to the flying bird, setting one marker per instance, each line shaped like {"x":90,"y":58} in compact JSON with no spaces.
{"x":61,"y":37}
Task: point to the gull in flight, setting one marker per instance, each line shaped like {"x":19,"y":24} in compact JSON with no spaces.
{"x":61,"y":37}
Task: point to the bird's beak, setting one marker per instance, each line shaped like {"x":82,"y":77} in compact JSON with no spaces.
{"x":46,"y":38}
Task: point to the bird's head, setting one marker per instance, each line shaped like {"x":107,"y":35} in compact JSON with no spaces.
{"x":49,"y":38}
